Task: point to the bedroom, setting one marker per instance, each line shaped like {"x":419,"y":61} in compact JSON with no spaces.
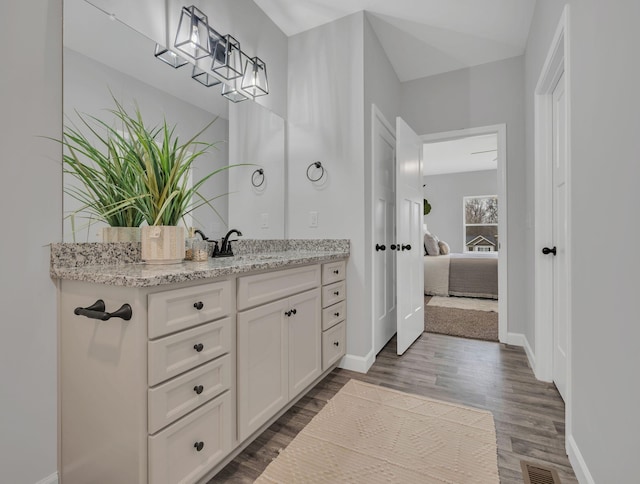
{"x":461,"y":223}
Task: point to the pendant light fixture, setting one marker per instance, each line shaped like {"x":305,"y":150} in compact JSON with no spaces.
{"x":241,"y":76}
{"x":254,"y":81}
{"x":192,"y":37}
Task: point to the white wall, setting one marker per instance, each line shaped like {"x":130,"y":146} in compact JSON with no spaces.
{"x":31,"y":197}
{"x":480,"y":96}
{"x":259,"y":141}
{"x":604,"y":174}
{"x":243,"y":19}
{"x":326,"y":123}
{"x":445,"y":194}
{"x":88,"y":85}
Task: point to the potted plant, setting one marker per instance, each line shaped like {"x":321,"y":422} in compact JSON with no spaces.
{"x":163,"y":166}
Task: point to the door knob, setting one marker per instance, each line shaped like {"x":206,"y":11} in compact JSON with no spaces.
{"x":406,"y":247}
{"x":547,"y":251}
{"x":380,"y":247}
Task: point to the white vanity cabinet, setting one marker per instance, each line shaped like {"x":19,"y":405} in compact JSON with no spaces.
{"x":279,"y":344}
{"x":200,"y":368}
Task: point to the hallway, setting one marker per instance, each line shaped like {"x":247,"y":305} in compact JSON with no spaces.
{"x":529,"y":414}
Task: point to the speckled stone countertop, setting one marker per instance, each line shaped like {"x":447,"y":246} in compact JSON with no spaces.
{"x":119,"y":264}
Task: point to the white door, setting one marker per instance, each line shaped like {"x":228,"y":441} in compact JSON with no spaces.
{"x":384,"y":215}
{"x":305,"y":330}
{"x":560,"y":269}
{"x":409,"y":209}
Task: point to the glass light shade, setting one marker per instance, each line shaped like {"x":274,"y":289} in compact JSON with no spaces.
{"x":254,"y":81}
{"x":227,"y":58}
{"x":205,"y":78}
{"x":169,"y":57}
{"x":232,"y":93}
{"x":192,"y":37}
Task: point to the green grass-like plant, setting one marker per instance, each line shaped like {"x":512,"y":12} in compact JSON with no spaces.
{"x":136,"y":173}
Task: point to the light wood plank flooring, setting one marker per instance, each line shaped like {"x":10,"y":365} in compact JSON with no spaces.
{"x":529,"y":414}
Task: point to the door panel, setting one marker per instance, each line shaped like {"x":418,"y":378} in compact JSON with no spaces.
{"x":384,"y":261}
{"x":305,"y":330}
{"x":409,"y":196}
{"x":560,"y":269}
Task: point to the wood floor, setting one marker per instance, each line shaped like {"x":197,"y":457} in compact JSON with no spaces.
{"x":529,"y":414}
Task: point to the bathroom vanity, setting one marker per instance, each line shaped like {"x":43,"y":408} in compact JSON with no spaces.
{"x":211,"y":355}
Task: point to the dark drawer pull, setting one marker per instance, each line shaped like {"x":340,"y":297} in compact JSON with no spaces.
{"x":294,"y":311}
{"x":336,"y":343}
{"x":199,"y":446}
{"x":288,"y":313}
{"x":336,"y":314}
{"x":337,"y":271}
{"x":198,"y":389}
{"x":97,"y":311}
{"x":336,"y":293}
{"x":199,"y":305}
{"x":198,"y":347}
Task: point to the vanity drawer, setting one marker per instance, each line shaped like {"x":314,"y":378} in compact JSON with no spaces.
{"x":173,"y":456}
{"x":172,"y":311}
{"x":178,"y":353}
{"x":333,"y":345}
{"x":333,"y":315}
{"x":264,"y":288}
{"x":333,"y":293}
{"x":174,"y":399}
{"x":333,"y":272}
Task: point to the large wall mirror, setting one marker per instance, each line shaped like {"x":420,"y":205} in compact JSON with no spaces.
{"x":106,"y":59}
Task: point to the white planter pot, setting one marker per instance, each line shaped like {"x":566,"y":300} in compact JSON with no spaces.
{"x":121,"y":234}
{"x":162,"y":244}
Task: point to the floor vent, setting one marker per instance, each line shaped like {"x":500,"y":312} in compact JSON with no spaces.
{"x":537,"y":474}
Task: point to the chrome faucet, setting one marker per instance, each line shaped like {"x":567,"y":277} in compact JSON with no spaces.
{"x":225,"y":249}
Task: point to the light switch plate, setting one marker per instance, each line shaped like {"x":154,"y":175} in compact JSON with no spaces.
{"x":313,"y":219}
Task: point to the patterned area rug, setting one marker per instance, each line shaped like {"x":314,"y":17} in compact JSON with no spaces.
{"x":370,"y":434}
{"x":461,"y":316}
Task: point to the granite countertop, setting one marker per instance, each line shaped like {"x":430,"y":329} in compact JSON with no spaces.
{"x":139,"y":274}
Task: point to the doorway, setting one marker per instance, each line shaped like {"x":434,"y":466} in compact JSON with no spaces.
{"x":499,"y":131}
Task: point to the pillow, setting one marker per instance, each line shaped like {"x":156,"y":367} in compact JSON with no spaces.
{"x":431,"y":244}
{"x":444,"y":247}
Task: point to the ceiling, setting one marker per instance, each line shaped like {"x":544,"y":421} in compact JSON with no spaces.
{"x":422,"y":37}
{"x":475,"y":153}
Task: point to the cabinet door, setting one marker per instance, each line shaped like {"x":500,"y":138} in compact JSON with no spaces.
{"x":305,"y":329}
{"x":263,"y":375}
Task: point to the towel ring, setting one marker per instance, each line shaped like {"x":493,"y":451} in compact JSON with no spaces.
{"x":315,"y":164}
{"x":257,"y":175}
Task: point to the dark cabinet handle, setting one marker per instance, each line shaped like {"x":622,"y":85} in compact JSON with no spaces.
{"x":199,"y":305}
{"x":406,"y":247}
{"x":380,"y":247}
{"x":392,"y":246}
{"x":547,"y":251}
{"x":336,"y":271}
{"x":294,"y":311}
{"x":198,"y":389}
{"x":288,"y":313}
{"x":199,"y":446}
{"x":336,"y":343}
{"x":97,"y":311}
{"x":336,"y":314}
{"x":198,"y":347}
{"x":336,"y":293}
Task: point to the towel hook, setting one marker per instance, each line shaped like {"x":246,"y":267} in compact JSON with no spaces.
{"x":257,"y":175}
{"x":316,"y":164}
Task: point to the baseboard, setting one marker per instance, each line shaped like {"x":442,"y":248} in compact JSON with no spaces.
{"x":577,"y":462}
{"x":52,"y":479}
{"x":518,"y":339}
{"x":361,"y":364}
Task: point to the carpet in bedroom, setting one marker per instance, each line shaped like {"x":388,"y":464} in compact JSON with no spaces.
{"x":466,"y":323}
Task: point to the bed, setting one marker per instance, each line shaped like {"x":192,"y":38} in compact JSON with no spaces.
{"x":472,"y":274}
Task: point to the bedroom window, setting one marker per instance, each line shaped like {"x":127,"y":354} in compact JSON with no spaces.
{"x":480,"y":223}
